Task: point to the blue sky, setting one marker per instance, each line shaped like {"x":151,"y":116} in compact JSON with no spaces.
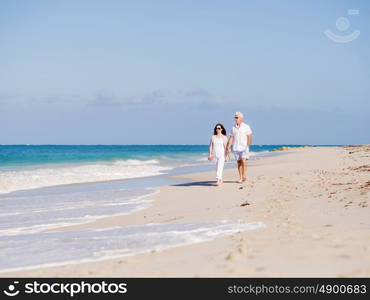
{"x":164,"y":72}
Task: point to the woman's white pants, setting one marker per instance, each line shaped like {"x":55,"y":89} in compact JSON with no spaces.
{"x":220,"y":161}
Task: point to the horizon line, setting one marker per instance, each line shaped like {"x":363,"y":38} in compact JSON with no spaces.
{"x":288,"y":144}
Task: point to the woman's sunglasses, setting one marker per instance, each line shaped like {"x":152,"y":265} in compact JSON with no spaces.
{"x":218,"y":128}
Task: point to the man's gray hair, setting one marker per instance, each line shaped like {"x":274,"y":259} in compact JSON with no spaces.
{"x":239,"y":114}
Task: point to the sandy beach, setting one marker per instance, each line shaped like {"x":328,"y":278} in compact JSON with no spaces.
{"x":314,"y":202}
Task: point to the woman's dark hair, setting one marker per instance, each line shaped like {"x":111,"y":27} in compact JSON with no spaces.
{"x":223,"y":130}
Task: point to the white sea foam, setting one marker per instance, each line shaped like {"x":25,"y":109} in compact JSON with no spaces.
{"x":42,"y":177}
{"x":187,"y":165}
{"x":202,"y":159}
{"x":259,"y":153}
{"x":59,"y":248}
{"x":32,"y":214}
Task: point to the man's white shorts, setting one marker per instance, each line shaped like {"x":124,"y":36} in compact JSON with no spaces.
{"x":241,"y":155}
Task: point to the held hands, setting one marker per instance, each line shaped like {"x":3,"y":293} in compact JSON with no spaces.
{"x":227,"y":154}
{"x":209,"y":157}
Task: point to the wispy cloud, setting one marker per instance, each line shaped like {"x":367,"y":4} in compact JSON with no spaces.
{"x":194,"y":96}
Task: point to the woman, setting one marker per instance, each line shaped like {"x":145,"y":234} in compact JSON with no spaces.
{"x":217,"y":150}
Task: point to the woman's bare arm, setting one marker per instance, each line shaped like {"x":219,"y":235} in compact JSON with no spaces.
{"x":210,"y":149}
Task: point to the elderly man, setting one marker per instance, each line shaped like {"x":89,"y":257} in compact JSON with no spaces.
{"x":241,"y":137}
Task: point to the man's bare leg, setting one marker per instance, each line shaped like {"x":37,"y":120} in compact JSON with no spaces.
{"x":240,"y":170}
{"x":244,"y":169}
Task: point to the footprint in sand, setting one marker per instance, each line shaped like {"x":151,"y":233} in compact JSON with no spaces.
{"x":122,"y":262}
{"x":241,"y":248}
{"x":231,"y":256}
{"x":173,"y":219}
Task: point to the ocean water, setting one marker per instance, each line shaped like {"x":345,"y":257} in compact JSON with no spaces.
{"x":50,"y":186}
{"x":34,"y":166}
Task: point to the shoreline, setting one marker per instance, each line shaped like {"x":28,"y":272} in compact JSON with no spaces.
{"x":315,"y":226}
{"x":165,"y":173}
{"x":134,"y":217}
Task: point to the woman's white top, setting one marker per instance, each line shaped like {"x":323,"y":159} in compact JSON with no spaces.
{"x":219,"y":146}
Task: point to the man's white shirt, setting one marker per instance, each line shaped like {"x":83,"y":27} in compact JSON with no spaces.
{"x":240,"y":137}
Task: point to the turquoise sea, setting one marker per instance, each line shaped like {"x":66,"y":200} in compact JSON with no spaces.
{"x":35,"y":166}
{"x":28,"y":155}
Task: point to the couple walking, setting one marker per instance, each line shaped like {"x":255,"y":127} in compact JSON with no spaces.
{"x":219,"y":146}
